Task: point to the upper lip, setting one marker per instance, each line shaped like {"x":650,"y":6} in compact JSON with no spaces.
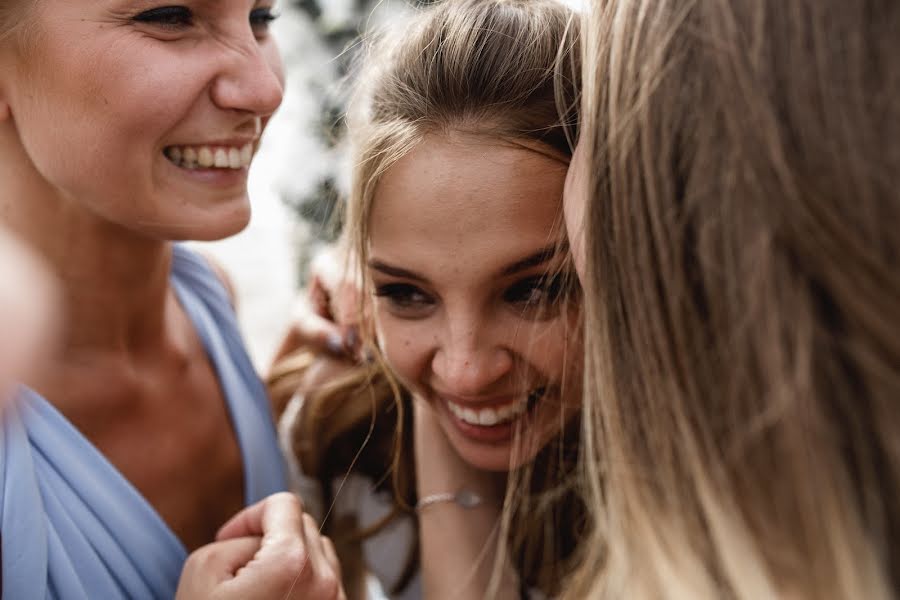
{"x":238,"y":142}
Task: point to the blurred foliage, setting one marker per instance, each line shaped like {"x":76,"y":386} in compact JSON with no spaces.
{"x":319,"y":208}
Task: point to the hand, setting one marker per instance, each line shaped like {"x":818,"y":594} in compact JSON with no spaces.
{"x":269,"y":550}
{"x":326,"y":316}
{"x":28,"y":312}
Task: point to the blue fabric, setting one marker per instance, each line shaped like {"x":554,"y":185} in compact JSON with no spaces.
{"x":72,"y":526}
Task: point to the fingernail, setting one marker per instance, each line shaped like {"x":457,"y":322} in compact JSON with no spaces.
{"x":351,"y":340}
{"x":368,"y":356}
{"x":335,"y":343}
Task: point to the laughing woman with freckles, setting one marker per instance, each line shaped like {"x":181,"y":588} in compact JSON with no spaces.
{"x":126,"y":125}
{"x":472,"y":396}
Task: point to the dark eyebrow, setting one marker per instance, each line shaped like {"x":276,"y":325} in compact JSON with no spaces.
{"x":532,"y":260}
{"x":387,"y":269}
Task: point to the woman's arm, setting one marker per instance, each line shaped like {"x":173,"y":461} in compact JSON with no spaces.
{"x":459,"y":546}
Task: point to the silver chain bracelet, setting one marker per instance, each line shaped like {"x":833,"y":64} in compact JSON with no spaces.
{"x":464,"y":498}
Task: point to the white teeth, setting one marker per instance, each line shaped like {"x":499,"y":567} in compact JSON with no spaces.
{"x":206,"y":157}
{"x":488,"y":417}
{"x":221,"y":158}
{"x":234,"y":158}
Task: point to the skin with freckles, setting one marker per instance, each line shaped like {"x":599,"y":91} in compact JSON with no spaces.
{"x":93,"y":95}
{"x":470,"y":308}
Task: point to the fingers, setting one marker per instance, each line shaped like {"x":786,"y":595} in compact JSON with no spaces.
{"x":291,"y":560}
{"x":331,"y":556}
{"x":208,"y":567}
{"x":313,"y":330}
{"x":278,"y":515}
{"x":227,"y":557}
{"x":330,"y":314}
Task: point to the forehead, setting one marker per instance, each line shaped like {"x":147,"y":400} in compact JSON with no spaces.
{"x":462,"y":197}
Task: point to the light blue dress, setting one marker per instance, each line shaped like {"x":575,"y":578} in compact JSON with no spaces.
{"x":71,"y":525}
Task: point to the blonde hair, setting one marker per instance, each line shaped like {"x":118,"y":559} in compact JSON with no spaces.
{"x":503,"y":69}
{"x":742,"y":299}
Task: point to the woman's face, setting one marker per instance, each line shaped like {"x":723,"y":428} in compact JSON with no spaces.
{"x":471,"y":309}
{"x":145,"y":112}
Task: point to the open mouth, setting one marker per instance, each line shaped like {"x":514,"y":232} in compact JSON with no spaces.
{"x":210,"y":157}
{"x":497,"y":415}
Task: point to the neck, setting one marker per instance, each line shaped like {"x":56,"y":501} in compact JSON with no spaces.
{"x":115,"y":281}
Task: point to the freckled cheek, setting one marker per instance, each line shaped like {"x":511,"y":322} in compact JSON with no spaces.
{"x":405,"y":346}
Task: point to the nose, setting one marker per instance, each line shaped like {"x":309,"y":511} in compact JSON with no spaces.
{"x":251,"y":80}
{"x":470,"y":359}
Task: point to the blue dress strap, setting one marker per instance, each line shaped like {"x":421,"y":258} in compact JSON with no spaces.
{"x":206,"y":301}
{"x":71,"y":526}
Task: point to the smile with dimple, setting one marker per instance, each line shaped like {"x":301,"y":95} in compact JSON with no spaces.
{"x":210,"y":157}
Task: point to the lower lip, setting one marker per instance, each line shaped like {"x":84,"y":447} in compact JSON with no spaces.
{"x":219,"y":178}
{"x":495,"y":434}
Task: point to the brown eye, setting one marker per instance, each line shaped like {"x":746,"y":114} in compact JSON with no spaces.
{"x":406,"y":300}
{"x":169,"y":17}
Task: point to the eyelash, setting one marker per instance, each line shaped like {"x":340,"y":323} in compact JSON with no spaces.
{"x":169,"y":17}
{"x":404,"y":297}
{"x":551,"y":290}
{"x":180,"y":17}
{"x":263,"y":17}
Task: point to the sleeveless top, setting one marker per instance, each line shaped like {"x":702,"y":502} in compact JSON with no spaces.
{"x":71,"y":525}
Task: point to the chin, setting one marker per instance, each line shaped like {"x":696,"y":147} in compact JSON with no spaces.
{"x":495,"y":458}
{"x":208,"y":227}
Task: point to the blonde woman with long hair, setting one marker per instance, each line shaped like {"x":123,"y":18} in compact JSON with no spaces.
{"x":455,"y":216}
{"x":735,"y":211}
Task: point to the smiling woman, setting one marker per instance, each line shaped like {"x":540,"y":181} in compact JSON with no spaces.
{"x":455,"y":217}
{"x":469,"y":306}
{"x":126,"y":125}
{"x":145,"y":85}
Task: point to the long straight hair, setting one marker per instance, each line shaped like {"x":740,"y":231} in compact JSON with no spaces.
{"x":742,"y":299}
